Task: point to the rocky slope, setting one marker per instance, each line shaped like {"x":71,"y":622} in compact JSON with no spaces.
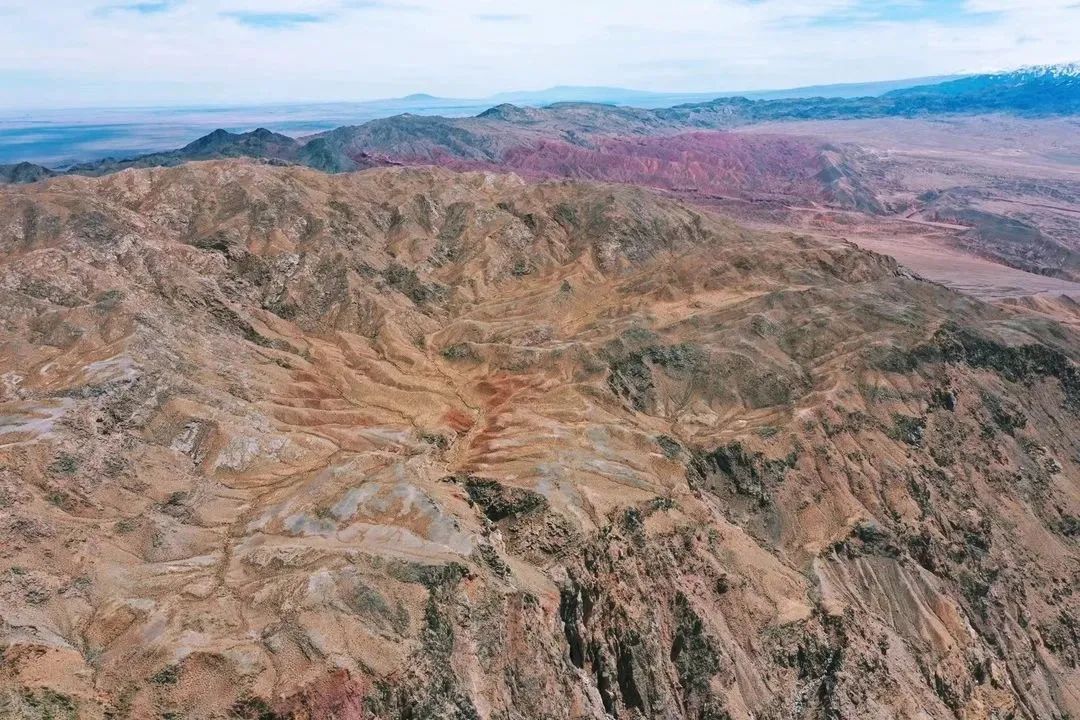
{"x":578,"y":142}
{"x":22,"y":173}
{"x":414,"y":444}
{"x":1013,"y":213}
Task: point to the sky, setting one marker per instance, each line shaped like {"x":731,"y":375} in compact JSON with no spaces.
{"x":102,"y":53}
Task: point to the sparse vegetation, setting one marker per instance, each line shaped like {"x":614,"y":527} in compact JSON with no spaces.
{"x":435,"y":440}
{"x":749,"y":474}
{"x":253,"y":708}
{"x":459,"y":351}
{"x":566,"y":216}
{"x":126,"y":525}
{"x":943,"y":398}
{"x":41,"y":704}
{"x":1007,"y":418}
{"x":500,"y":502}
{"x":630,"y":373}
{"x":64,"y":464}
{"x":669,"y":446}
{"x":692,"y":650}
{"x":867,"y":538}
{"x":168,"y":675}
{"x":109,"y":299}
{"x":908,"y":429}
{"x":522,"y":267}
{"x":408,"y":283}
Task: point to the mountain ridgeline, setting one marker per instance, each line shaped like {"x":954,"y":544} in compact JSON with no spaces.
{"x":495,"y":134}
{"x":412,"y":444}
{"x":473,"y":436}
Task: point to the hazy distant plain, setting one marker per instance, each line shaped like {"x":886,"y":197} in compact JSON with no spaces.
{"x":58,"y":138}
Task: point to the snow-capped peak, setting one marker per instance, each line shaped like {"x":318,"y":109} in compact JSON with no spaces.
{"x":1056,"y":71}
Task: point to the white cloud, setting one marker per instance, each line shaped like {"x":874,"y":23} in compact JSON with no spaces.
{"x":68,"y":52}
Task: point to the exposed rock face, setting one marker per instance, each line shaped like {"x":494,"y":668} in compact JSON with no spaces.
{"x":414,"y":444}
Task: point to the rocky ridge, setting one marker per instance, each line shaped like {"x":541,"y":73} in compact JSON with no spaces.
{"x":416,"y":444}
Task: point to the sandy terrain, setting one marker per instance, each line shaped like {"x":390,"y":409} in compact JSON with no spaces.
{"x":934,"y":260}
{"x":1013,"y":183}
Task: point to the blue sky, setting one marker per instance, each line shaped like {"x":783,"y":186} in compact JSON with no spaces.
{"x":69,"y":53}
{"x":944,"y":12}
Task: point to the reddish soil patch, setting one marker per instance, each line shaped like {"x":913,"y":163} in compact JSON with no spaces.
{"x":702,"y":162}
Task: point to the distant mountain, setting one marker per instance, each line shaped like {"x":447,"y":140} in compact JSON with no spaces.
{"x":645,"y":98}
{"x":1051,"y":89}
{"x":846,"y":90}
{"x":218,"y":145}
{"x":222,"y":143}
{"x":1040,"y":91}
{"x":576,"y":93}
{"x":22,"y":173}
{"x":1040,"y":77}
{"x":502,"y":137}
{"x":63,"y":138}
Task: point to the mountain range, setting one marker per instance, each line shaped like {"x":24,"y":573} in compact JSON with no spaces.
{"x":491,"y":135}
{"x":686,"y":149}
{"x":731,"y":410}
{"x":641,"y":98}
{"x":413,"y":443}
{"x":60,"y":138}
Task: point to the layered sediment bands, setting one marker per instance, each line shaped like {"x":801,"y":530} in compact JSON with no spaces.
{"x":698,"y":165}
{"x":416,"y":444}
